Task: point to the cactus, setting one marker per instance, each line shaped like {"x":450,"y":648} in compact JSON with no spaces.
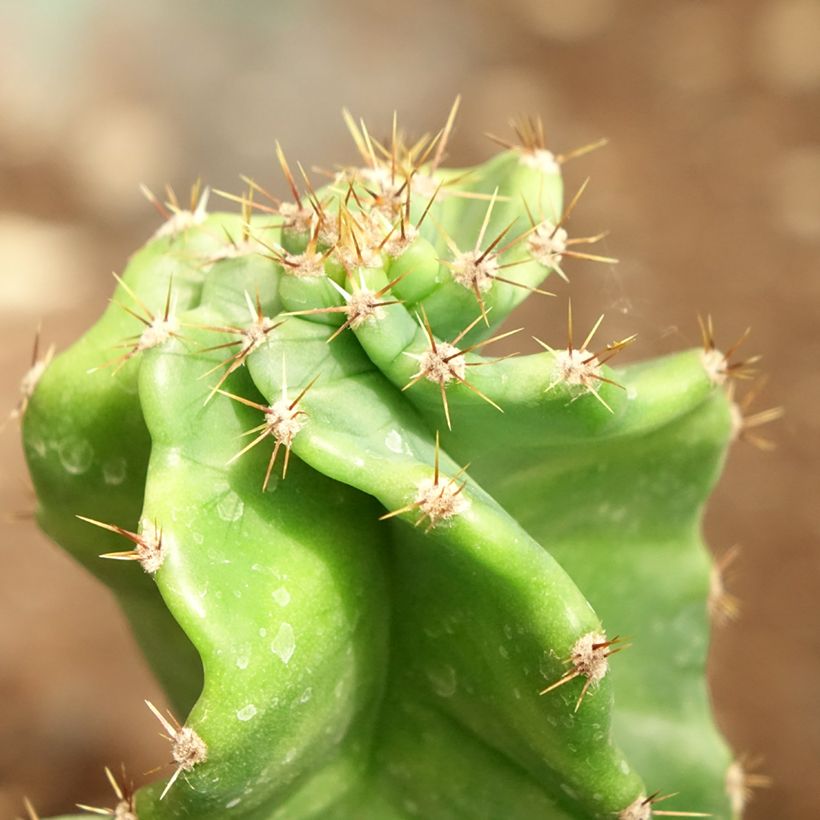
{"x":380,"y":572}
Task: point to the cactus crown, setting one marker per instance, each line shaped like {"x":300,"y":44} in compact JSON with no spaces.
{"x":372,"y":561}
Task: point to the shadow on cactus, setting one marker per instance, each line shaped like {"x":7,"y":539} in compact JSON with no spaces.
{"x":380,"y":572}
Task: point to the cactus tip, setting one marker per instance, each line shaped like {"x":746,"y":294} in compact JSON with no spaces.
{"x":531,"y":145}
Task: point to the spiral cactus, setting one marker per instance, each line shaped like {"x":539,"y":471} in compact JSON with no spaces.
{"x":380,"y":572}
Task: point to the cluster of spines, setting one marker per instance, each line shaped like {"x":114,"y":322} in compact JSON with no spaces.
{"x":365,"y":216}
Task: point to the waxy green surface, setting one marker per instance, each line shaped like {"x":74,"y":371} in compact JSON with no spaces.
{"x":341,"y":666}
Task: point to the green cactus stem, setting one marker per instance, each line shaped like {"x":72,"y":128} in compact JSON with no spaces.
{"x":380,"y":572}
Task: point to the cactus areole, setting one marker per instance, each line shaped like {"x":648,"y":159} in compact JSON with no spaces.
{"x":380,"y":572}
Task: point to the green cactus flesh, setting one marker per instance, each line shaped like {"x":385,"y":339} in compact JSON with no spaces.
{"x":370,"y":633}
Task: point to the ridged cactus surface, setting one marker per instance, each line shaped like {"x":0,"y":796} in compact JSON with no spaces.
{"x":380,"y":572}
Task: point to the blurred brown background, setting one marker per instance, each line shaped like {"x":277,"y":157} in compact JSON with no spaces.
{"x":710,"y":187}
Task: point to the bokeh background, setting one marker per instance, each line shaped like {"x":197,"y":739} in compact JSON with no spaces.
{"x":710,"y":187}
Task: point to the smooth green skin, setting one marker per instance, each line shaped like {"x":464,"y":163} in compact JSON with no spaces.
{"x":649,"y":582}
{"x":286,"y":608}
{"x":652,"y":460}
{"x":484,"y":571}
{"x":393,"y":672}
{"x":87,"y":445}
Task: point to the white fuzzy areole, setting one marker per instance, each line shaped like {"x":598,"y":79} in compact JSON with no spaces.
{"x":717,"y":593}
{"x":124,"y":811}
{"x":385,"y":234}
{"x":178,"y":223}
{"x":715,"y":364}
{"x":541,"y":159}
{"x":304,"y":265}
{"x":589,"y":656}
{"x":183,"y":220}
{"x":472,"y":274}
{"x":440,"y":501}
{"x":284,"y":421}
{"x":158,"y":332}
{"x":547,"y":243}
{"x":739,"y":785}
{"x":382,"y":181}
{"x":150,"y":551}
{"x":736,"y":423}
{"x":425,"y":185}
{"x":29,"y":382}
{"x":442,"y":365}
{"x":256,"y":333}
{"x":235,"y":250}
{"x":639,"y":809}
{"x":351,"y":259}
{"x":577,"y":368}
{"x":33,"y":375}
{"x":188,"y":749}
{"x":363,"y":306}
{"x":296,"y":218}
